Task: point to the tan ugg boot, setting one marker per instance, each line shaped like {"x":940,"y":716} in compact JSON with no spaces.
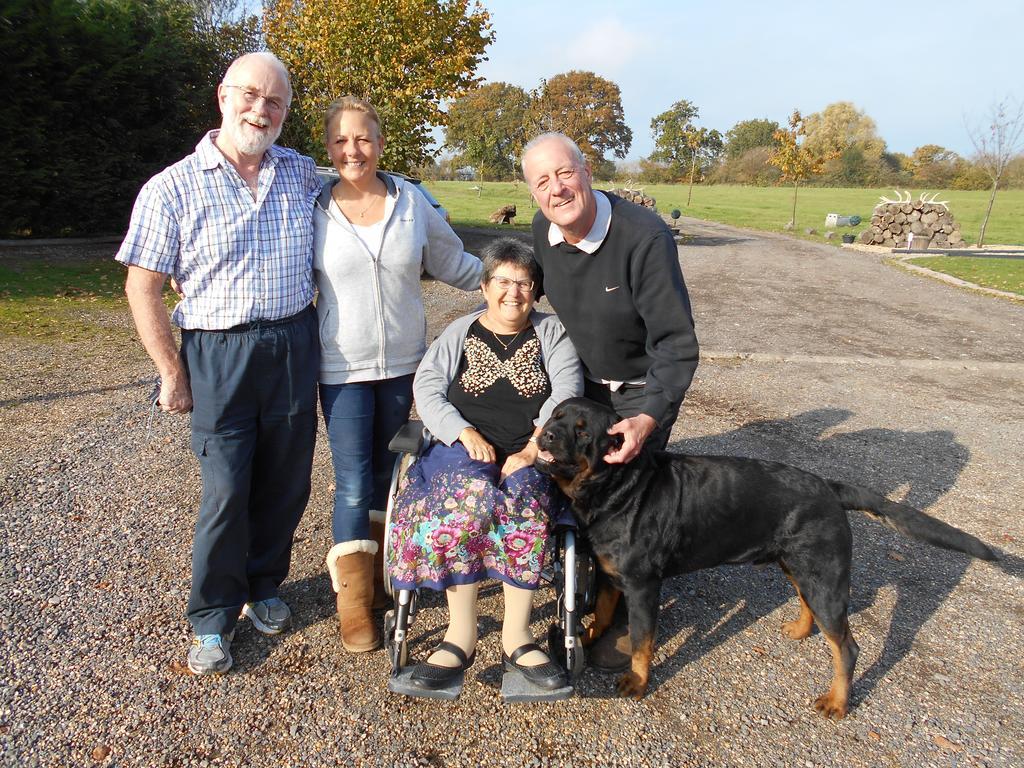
{"x":380,"y":594}
{"x":351,"y":564}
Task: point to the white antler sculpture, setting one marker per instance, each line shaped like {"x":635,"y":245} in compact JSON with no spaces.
{"x":932,"y":201}
{"x":898,"y":201}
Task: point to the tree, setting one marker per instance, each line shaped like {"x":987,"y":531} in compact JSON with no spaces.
{"x":101,"y":95}
{"x":405,"y":56}
{"x":680,"y":143}
{"x":850,"y":138}
{"x":587,"y":109}
{"x":933,"y":166}
{"x":995,"y":145}
{"x":750,"y":134}
{"x":488,"y":127}
{"x":794,"y":160}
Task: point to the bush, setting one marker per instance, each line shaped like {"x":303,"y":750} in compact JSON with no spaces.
{"x":750,"y":168}
{"x":101,"y":95}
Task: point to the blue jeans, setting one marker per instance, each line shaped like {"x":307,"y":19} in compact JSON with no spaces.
{"x":361,"y":419}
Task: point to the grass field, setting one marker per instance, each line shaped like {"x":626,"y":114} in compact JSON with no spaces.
{"x":1002,"y":274}
{"x":766,"y":208}
{"x":62,"y":298}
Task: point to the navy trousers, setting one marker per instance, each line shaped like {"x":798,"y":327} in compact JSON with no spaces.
{"x":253,"y":431}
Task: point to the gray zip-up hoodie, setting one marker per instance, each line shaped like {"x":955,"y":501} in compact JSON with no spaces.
{"x":370,"y":308}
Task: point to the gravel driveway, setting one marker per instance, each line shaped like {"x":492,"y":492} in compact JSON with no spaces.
{"x":821,"y":357}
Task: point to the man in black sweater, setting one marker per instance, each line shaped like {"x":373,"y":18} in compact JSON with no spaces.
{"x":611,"y":272}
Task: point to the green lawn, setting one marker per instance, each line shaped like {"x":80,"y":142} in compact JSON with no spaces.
{"x":766,"y":208}
{"x":1002,"y":274}
{"x":61,"y":298}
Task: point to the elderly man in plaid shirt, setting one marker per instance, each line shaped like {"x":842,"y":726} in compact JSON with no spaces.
{"x":232,"y":223}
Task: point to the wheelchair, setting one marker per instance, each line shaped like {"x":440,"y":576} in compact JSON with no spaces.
{"x":570,"y":570}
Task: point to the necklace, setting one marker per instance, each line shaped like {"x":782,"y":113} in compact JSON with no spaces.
{"x":373,"y":202}
{"x":510,"y":341}
{"x":362,"y":213}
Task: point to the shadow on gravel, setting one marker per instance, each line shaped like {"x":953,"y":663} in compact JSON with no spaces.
{"x":707,"y":608}
{"x":48,"y":396}
{"x":714,"y":240}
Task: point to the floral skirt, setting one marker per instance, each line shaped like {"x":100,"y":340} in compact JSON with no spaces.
{"x":455,"y":522}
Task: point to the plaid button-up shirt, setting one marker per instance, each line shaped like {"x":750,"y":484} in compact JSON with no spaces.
{"x":237,"y":259}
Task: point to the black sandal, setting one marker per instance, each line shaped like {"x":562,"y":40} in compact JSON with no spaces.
{"x":434,"y":676}
{"x":547,"y":675}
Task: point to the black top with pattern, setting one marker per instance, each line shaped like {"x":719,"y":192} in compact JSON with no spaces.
{"x":500,"y":391}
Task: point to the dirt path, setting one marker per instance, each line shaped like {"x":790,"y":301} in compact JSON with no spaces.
{"x":820,"y":357}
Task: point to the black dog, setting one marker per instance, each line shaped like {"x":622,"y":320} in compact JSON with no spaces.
{"x":664,"y":514}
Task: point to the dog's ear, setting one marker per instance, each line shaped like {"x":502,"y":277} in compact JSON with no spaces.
{"x":610,"y":444}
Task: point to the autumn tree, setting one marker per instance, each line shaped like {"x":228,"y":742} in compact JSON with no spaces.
{"x":849,"y":138}
{"x":750,"y":134}
{"x":995,"y":146}
{"x":488,"y":127}
{"x":405,"y":56}
{"x":586,"y":108}
{"x":795,"y":161}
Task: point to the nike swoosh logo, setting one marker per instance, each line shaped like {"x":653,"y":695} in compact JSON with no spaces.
{"x":609,"y":290}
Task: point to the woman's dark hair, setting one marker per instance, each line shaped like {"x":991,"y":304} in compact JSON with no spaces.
{"x":509,"y":250}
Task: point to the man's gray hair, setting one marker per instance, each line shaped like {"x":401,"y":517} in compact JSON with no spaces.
{"x":553,"y":136}
{"x":267,"y":57}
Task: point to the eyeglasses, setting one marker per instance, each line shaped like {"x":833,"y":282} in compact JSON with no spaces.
{"x":250,"y":97}
{"x":505,"y":283}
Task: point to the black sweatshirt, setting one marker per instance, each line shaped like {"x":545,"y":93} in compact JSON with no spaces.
{"x":625,"y":307}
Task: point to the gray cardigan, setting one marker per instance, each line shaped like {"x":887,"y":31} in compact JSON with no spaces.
{"x":441,"y":363}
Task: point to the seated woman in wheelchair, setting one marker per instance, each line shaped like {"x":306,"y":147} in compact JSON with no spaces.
{"x":473,"y":506}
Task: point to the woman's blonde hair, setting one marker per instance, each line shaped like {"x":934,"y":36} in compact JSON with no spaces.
{"x":354,"y":104}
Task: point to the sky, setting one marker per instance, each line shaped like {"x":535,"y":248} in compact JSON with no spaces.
{"x":919,"y":69}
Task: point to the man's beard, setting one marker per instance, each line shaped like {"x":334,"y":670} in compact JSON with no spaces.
{"x":247,"y":139}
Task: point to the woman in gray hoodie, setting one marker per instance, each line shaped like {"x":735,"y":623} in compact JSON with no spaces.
{"x":374,"y":234}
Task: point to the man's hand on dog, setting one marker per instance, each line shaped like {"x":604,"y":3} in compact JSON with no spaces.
{"x":634,"y":431}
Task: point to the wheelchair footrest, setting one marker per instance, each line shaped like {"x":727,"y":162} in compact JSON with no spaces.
{"x":515,"y":687}
{"x":403,"y":685}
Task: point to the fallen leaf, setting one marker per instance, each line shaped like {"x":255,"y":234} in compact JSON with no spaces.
{"x":103,"y":585}
{"x":100,"y":752}
{"x":875,"y":735}
{"x":896,"y":556}
{"x":178,"y":668}
{"x":759,"y":649}
{"x":946,"y":744}
{"x":1008,"y":538}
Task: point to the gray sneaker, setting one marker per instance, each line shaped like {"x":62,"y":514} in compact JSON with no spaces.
{"x":210,"y":654}
{"x":271,"y":616}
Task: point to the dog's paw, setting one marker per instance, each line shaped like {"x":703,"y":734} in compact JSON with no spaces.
{"x":797,"y":630}
{"x":630,"y":686}
{"x":832,"y":707}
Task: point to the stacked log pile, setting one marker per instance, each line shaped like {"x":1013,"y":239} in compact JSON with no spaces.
{"x":931,"y":223}
{"x":634,"y":196}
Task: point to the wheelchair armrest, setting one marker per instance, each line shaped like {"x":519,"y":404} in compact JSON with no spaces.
{"x":408,"y":439}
